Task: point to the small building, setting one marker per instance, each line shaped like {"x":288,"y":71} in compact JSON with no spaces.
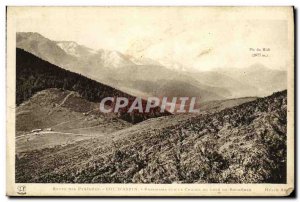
{"x":36,"y":130}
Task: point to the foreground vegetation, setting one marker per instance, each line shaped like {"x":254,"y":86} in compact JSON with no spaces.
{"x":242,"y":144}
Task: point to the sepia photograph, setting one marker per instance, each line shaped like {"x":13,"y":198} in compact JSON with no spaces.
{"x":150,"y":101}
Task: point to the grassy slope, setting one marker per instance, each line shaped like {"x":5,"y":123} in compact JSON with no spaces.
{"x":243,"y":144}
{"x":69,"y":117}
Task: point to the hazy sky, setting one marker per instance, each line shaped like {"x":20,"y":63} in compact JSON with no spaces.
{"x":196,"y":38}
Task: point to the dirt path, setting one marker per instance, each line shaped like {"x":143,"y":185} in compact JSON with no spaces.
{"x":65,"y":99}
{"x":63,"y":102}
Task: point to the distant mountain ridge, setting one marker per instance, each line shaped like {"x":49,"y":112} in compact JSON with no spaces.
{"x":265,"y":80}
{"x":125,"y":72}
{"x":43,"y":48}
{"x":116,"y":69}
{"x":74,"y":49}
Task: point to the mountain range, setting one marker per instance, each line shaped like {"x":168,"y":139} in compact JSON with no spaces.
{"x":145,"y":77}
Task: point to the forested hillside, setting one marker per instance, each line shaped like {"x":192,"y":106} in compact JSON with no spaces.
{"x":34,"y":74}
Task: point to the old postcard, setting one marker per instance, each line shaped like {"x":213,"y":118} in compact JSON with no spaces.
{"x":150,"y":101}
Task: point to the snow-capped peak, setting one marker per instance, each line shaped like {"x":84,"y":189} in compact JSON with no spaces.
{"x":74,"y":49}
{"x":114,"y":59}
